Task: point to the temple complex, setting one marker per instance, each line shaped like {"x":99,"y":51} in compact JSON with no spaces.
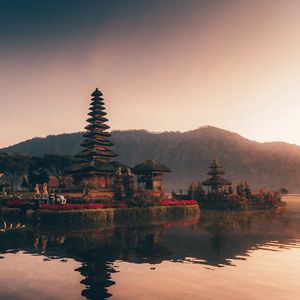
{"x":96,"y":176}
{"x":94,"y":171}
{"x":149,"y":174}
{"x":216,"y":183}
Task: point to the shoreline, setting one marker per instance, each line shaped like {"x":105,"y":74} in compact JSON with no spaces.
{"x":102,"y":216}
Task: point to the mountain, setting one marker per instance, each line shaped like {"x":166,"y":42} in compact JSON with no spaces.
{"x":188,"y":154}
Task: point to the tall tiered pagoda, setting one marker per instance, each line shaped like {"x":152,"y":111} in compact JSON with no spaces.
{"x":94,"y":170}
{"x":216,"y":182}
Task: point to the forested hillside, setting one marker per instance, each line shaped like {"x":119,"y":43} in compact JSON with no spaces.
{"x":188,"y":154}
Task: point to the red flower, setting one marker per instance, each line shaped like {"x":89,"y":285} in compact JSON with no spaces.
{"x":57,"y":207}
{"x":14,"y":202}
{"x":175,"y":202}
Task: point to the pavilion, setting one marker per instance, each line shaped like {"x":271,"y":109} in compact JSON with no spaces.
{"x":149,"y":176}
{"x":216,"y":183}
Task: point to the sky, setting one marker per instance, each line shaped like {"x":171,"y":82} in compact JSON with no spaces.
{"x":171,"y":65}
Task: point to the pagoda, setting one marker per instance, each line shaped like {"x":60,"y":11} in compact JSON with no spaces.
{"x":216,"y":182}
{"x":94,"y":171}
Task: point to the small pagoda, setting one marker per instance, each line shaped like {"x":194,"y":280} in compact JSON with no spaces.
{"x":149,"y":176}
{"x":216,"y":183}
{"x":94,"y":171}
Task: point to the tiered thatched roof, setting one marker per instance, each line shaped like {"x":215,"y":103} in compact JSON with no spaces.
{"x":150,"y":166}
{"x":215,"y":173}
{"x":96,"y":155}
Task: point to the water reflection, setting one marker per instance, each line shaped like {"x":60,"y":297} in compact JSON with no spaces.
{"x":217,"y":239}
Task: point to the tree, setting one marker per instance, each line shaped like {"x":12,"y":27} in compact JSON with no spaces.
{"x":57,"y":166}
{"x":12,"y":166}
{"x":37,"y":171}
{"x":283,"y":191}
{"x":195,"y":190}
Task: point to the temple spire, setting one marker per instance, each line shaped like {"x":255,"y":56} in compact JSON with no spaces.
{"x":93,"y":171}
{"x":96,"y":144}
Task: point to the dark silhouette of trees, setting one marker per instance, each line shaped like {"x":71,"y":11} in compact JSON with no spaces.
{"x":57,"y":165}
{"x":283,"y":191}
{"x":195,"y":190}
{"x":37,"y":171}
{"x":12,"y":166}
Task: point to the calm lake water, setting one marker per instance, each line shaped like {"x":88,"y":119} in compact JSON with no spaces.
{"x":224,"y":255}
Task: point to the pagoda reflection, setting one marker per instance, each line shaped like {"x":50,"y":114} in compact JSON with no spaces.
{"x":216,"y":239}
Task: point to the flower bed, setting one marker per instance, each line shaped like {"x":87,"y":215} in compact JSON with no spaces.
{"x":14,"y":203}
{"x":57,"y":207}
{"x":175,"y":202}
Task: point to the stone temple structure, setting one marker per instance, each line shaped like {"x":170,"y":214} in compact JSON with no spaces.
{"x":94,"y":171}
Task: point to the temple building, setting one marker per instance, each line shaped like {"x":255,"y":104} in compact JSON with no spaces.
{"x":149,"y":176}
{"x":94,"y":171}
{"x":216,"y":182}
{"x":96,"y":176}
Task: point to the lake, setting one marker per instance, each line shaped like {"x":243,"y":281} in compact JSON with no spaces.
{"x":221,"y":255}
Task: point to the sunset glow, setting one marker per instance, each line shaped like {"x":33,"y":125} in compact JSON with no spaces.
{"x":162,"y":65}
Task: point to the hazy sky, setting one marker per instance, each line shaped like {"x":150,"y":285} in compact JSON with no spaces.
{"x":162,"y":65}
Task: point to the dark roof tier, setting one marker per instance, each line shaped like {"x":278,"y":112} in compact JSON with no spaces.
{"x":215,"y":172}
{"x":96,"y":93}
{"x":93,"y":134}
{"x":216,"y":181}
{"x":97,"y":106}
{"x":96,"y":112}
{"x":97,"y":100}
{"x":150,"y":166}
{"x":94,"y":153}
{"x":97,"y":118}
{"x":92,"y":143}
{"x":99,"y":138}
{"x":94,"y":127}
{"x":91,"y":167}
